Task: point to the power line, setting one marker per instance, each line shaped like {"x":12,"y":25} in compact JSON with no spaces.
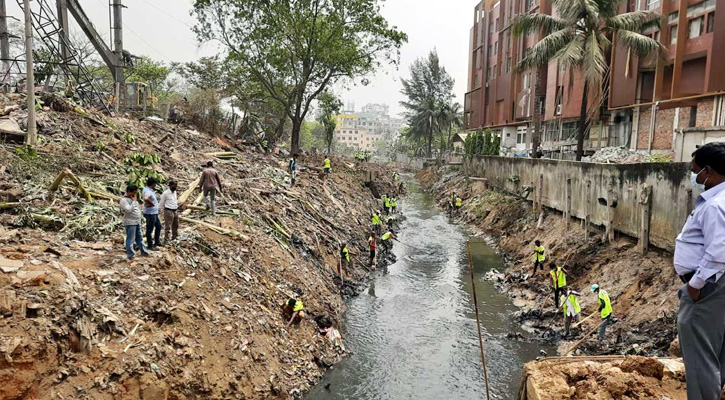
{"x":168,"y":14}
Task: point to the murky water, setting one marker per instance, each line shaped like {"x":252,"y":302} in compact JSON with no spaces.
{"x":413,"y":333}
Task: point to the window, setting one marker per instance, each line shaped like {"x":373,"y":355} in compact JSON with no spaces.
{"x":653,"y":4}
{"x":498,"y":27}
{"x":696,"y":26}
{"x":488,"y":74}
{"x":528,"y":5}
{"x":693,"y":117}
{"x":526,"y":82}
{"x":672,"y":18}
{"x":711,"y":22}
{"x":495,"y":48}
{"x":494,"y":71}
{"x":488,"y":52}
{"x":478,"y":59}
{"x":673,"y":34}
{"x":521,"y":135}
{"x":508,"y":65}
{"x":656,"y":36}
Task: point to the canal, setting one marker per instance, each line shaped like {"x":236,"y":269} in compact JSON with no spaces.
{"x":413,"y":334}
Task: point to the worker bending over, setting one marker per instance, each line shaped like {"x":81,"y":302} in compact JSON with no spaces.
{"x":388,"y":238}
{"x":572,"y":310}
{"x":344,"y":261}
{"x":605,"y":308}
{"x":294,"y":311}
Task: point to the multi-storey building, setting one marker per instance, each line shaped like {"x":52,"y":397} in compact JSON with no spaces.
{"x":364,"y":129}
{"x":645,"y":104}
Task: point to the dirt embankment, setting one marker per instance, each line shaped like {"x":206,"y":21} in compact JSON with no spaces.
{"x":199,"y":319}
{"x":642,"y":287}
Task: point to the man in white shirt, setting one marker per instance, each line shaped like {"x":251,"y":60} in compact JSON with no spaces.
{"x":170,"y":204}
{"x":572,"y":310}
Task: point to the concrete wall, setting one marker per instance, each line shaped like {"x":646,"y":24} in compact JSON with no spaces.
{"x":688,"y":140}
{"x":671,"y":199}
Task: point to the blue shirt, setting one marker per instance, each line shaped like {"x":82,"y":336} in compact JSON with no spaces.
{"x":147,"y":191}
{"x":700,"y":247}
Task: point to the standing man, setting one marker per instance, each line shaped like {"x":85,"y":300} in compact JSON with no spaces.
{"x":293,"y":168}
{"x":558,"y":278}
{"x":386,"y":200}
{"x":377,"y":222}
{"x":344,"y":261}
{"x":700,"y":261}
{"x":459,"y":204}
{"x":572,"y":310}
{"x":327,"y":168}
{"x":393,"y":204}
{"x":131,"y":212}
{"x":539,"y":256}
{"x":210,"y":182}
{"x":605,"y":308}
{"x":373,"y":242}
{"x":170,"y":204}
{"x":151,"y":214}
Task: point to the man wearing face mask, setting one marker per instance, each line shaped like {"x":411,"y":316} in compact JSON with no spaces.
{"x":170,"y":204}
{"x":700,"y":262}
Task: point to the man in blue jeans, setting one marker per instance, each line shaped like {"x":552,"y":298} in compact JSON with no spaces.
{"x":131,"y":212}
{"x":151,"y":214}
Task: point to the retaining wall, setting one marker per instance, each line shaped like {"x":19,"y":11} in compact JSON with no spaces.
{"x":585,"y":191}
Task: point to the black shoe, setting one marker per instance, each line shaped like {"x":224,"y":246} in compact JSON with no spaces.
{"x":152,"y":249}
{"x":159,"y":245}
{"x":145,"y":255}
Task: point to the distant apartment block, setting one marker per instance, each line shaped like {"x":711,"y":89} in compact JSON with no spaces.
{"x":362,"y":130}
{"x":666,"y":106}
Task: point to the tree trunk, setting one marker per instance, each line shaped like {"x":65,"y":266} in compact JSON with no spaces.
{"x":536,"y":140}
{"x":295,"y":140}
{"x":430,"y":143}
{"x":582,"y":123}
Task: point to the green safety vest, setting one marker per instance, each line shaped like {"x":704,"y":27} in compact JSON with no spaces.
{"x":574,"y":303}
{"x":540,"y":253}
{"x":459,"y":202}
{"x":558,"y":278}
{"x":387,"y":203}
{"x":376,"y":220}
{"x":393,"y":202}
{"x":604,"y":297}
{"x":327,"y":163}
{"x":385,"y":198}
{"x":346,"y":253}
{"x":386,"y":235}
{"x":298,"y":306}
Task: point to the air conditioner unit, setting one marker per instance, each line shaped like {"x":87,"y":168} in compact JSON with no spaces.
{"x":558,"y":109}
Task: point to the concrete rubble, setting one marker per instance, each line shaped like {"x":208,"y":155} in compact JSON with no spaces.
{"x":199,"y":319}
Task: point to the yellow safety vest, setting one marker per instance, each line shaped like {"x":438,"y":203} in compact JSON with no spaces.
{"x":558,"y":278}
{"x":346,"y":253}
{"x":540,"y":257}
{"x":387,"y":203}
{"x":386,"y":235}
{"x":459,"y":202}
{"x":604,"y":297}
{"x":574,"y":303}
{"x":327,"y":163}
{"x":393,"y":202}
{"x":298,"y":306}
{"x":376,"y":220}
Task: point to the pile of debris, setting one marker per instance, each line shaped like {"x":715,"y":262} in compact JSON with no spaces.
{"x":202,"y":317}
{"x":624,"y":155}
{"x":604,"y":378}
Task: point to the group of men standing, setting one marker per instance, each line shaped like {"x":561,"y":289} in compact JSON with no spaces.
{"x":130,"y":207}
{"x":565,"y":298}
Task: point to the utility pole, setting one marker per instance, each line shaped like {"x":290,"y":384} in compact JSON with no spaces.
{"x":31,"y":137}
{"x":118,"y":49}
{"x":4,"y":38}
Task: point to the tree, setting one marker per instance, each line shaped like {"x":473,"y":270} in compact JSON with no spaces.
{"x":295,"y":49}
{"x":452,"y":118}
{"x":581,"y":37}
{"x":429,"y":91}
{"x":330,"y":106}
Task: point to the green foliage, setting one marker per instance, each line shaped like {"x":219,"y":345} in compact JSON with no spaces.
{"x":143,"y":159}
{"x":659,"y":158}
{"x":514,"y":179}
{"x":294,"y":50}
{"x":128,"y":138}
{"x":330,"y":106}
{"x":99,"y":146}
{"x":138,"y":168}
{"x":480,"y":143}
{"x":26,"y":152}
{"x":154,"y":73}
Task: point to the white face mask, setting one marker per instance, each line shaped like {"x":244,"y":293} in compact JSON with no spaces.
{"x":693,"y":178}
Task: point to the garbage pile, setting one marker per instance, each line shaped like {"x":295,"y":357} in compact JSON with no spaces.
{"x":202,"y":317}
{"x":624,"y":155}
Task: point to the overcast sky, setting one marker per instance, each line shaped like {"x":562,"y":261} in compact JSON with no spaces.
{"x":161,"y":29}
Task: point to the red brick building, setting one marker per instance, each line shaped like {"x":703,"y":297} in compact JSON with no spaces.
{"x":684,"y":92}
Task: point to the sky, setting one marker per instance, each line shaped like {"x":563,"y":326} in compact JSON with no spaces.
{"x":161,"y":29}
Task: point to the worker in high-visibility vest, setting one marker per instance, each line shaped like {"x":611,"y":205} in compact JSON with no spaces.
{"x":293,"y":310}
{"x":377,"y":222}
{"x":344,"y":260}
{"x":373,"y":244}
{"x":384,"y":199}
{"x":539,"y":256}
{"x":327,"y":168}
{"x":387,"y":238}
{"x":558,"y":280}
{"x":572,"y":310}
{"x":459,"y":203}
{"x":393,"y":204}
{"x":605,"y":308}
{"x":387,"y":204}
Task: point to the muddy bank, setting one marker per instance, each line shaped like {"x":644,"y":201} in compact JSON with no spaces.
{"x":201,"y":317}
{"x":642,"y":286}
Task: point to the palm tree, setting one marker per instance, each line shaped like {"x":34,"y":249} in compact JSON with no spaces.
{"x":580,"y":38}
{"x":425,"y":119}
{"x":452,"y":117}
